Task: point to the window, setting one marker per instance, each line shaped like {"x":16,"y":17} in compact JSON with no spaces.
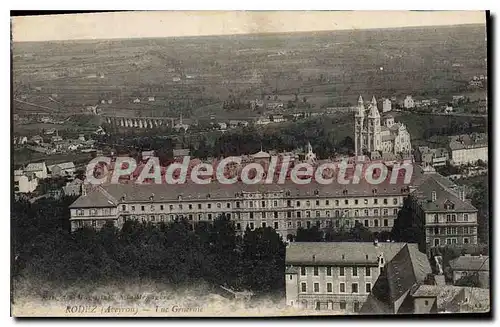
{"x":276,"y":214}
{"x":209,"y":205}
{"x":327,"y":202}
{"x":288,"y":203}
{"x":368,"y":287}
{"x":252,"y":226}
{"x":316,"y":272}
{"x":263,"y":215}
{"x":302,"y":271}
{"x":366,"y":222}
{"x":171,"y":207}
{"x":366,"y":212}
{"x":142,"y":208}
{"x":342,"y":305}
{"x":375,"y":222}
{"x":250,"y":204}
{"x":385,"y":201}
{"x":355,"y":271}
{"x":298,"y":214}
{"x":251,"y":215}
{"x":336,"y":202}
{"x":466,"y":240}
{"x":180,"y":206}
{"x":209,"y":216}
{"x":316,"y":287}
{"x":133,"y":208}
{"x":346,"y":201}
{"x":341,"y":271}
{"x":395,"y":212}
{"x":466,"y":217}
{"x":328,"y":271}
{"x":263,"y":204}
{"x":356,"y":201}
{"x":426,"y":302}
{"x":342,"y":288}
{"x":264,"y":224}
{"x":308,"y":214}
{"x":238,"y":226}
{"x":375,"y":212}
{"x":308,"y":203}
{"x":289,"y":214}
{"x":436,"y":242}
{"x":317,"y":202}
{"x":298,"y":203}
{"x":386,"y":222}
{"x":386,"y":212}
{"x":354,"y":288}
{"x":228,"y":205}
{"x":237,"y":204}
{"x":395,"y":201}
{"x":124,"y":207}
{"x":317,"y":214}
{"x":219,"y":205}
{"x":375,"y":201}
{"x":368,"y":271}
{"x":303,"y":287}
{"x":329,"y":287}
{"x":161,"y":207}
{"x":276,"y":225}
{"x":356,"y":213}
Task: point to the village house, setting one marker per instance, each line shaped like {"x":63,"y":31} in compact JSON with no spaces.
{"x":468,"y":265}
{"x":466,"y":149}
{"x":431,"y":157}
{"x":63,"y":169}
{"x":24,"y":182}
{"x":449,"y":299}
{"x":38,"y":168}
{"x":408,"y":102}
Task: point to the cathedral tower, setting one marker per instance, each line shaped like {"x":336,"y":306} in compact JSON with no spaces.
{"x":359,"y":128}
{"x":373,"y":130}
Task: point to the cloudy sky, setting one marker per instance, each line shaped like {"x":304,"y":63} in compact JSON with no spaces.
{"x":193,"y":23}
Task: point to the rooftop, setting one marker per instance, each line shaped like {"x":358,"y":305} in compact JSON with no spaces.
{"x":323,"y":253}
{"x":473,"y":263}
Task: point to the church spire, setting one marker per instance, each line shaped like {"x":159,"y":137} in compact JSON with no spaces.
{"x":374,"y":101}
{"x":361,"y":108}
{"x":360,"y":101}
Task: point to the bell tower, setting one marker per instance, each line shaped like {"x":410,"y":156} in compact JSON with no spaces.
{"x":359,"y":128}
{"x":374,"y":139}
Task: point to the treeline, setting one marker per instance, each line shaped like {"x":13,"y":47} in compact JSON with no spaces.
{"x":43,"y":248}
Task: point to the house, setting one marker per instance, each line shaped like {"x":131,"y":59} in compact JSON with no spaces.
{"x":56,"y":138}
{"x":458,"y":98}
{"x":274,"y":105}
{"x":66,"y":169}
{"x":408,"y":102}
{"x":238,"y":123}
{"x":37,"y":139}
{"x":24,"y":182}
{"x":449,"y":299}
{"x":391,"y":293}
{"x":81,"y":137}
{"x":179,"y":153}
{"x":151,"y":99}
{"x":386,"y":105}
{"x":222,"y":126}
{"x":468,"y":265}
{"x":277,"y":118}
{"x":136,"y":100}
{"x":73,"y":188}
{"x":431,"y":157}
{"x":467,"y":148}
{"x":440,"y":209}
{"x":448,"y":109}
{"x":341,"y":276}
{"x":38,"y":168}
{"x":262,"y":121}
{"x":50,"y":131}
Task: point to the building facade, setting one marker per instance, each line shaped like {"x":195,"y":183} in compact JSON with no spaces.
{"x":284,"y":207}
{"x":336,"y":276}
{"x":468,"y":149}
{"x":440,"y":208}
{"x":375,"y":133}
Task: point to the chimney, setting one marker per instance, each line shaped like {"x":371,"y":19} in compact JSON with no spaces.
{"x":433,"y":196}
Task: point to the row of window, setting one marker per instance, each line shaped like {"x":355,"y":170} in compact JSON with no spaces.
{"x":94,"y":212}
{"x":450,"y":241}
{"x":465,"y":230}
{"x":330,"y":306}
{"x":452,"y":218}
{"x":341,"y":288}
{"x":253,"y":204}
{"x":328,"y":270}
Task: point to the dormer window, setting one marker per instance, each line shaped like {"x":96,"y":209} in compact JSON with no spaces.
{"x":448,"y":205}
{"x":287,"y":193}
{"x":374,"y":191}
{"x":316,"y":192}
{"x":179,"y":197}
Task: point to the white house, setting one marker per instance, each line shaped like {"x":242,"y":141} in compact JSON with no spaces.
{"x":408,"y":102}
{"x":38,"y":168}
{"x":24,"y":182}
{"x":386,"y":105}
{"x":62,"y":169}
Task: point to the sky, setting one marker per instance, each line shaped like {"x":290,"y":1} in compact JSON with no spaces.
{"x":196,"y":23}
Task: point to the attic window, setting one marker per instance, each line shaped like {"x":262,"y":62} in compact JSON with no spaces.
{"x":316,"y":192}
{"x":344,"y":192}
{"x":374,"y":191}
{"x":179,"y":197}
{"x":449,"y":205}
{"x":343,"y":256}
{"x":208,"y":196}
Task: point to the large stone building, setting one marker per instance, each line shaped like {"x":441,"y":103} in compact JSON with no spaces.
{"x":440,"y":208}
{"x":468,"y":149}
{"x":375,"y":133}
{"x":285,"y":207}
{"x":340,"y":276}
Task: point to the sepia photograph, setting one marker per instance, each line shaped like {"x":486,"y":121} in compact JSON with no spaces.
{"x":250,"y":164}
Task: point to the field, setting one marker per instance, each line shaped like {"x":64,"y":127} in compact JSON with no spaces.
{"x":195,"y":75}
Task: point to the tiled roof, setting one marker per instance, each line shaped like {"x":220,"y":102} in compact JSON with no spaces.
{"x":473,"y":263}
{"x":35,"y":166}
{"x":319,"y":253}
{"x":97,"y":198}
{"x":436,"y":183}
{"x":464,"y":141}
{"x":62,"y":165}
{"x":407,"y":268}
